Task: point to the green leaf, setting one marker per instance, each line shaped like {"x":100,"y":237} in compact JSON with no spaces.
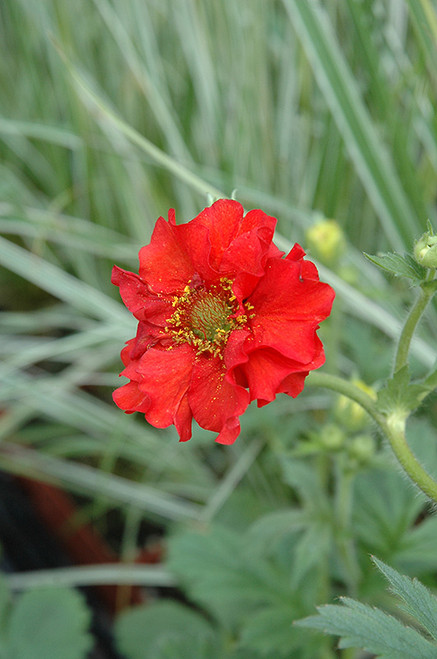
{"x":50,"y":622}
{"x":311,"y":549}
{"x":270,"y":632}
{"x":399,"y":265}
{"x":270,"y":529}
{"x":371,"y":629}
{"x":304,"y":480}
{"x":386,"y":507}
{"x":221,"y":573}
{"x":416,"y":552}
{"x":418,"y":601}
{"x":164,"y":630}
{"x":399,"y":395}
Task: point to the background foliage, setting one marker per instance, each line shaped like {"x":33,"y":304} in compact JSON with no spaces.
{"x":116,"y":111}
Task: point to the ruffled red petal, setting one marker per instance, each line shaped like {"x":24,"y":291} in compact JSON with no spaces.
{"x":136,"y":295}
{"x":164,"y":263}
{"x":223,"y":241}
{"x":288,"y":309}
{"x":222,"y":221}
{"x":216,"y":400}
{"x":130,"y":399}
{"x":164,"y":376}
{"x":268,"y":373}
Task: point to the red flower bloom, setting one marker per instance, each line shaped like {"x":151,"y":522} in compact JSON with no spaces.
{"x":224,"y":319}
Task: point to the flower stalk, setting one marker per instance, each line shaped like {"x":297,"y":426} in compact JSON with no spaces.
{"x":392,"y":426}
{"x":394,"y":429}
{"x":426,"y":293}
{"x":341,"y":386}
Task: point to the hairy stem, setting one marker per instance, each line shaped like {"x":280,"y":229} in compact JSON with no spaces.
{"x":394,"y":430}
{"x":346,"y":388}
{"x":426,"y":293}
{"x":392,"y":426}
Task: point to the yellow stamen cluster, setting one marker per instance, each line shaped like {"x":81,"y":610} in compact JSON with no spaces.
{"x":205,"y":317}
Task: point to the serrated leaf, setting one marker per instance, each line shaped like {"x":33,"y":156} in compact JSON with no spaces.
{"x":418,"y":601}
{"x":399,"y":395}
{"x":50,"y":622}
{"x":165,"y":629}
{"x":399,"y":265}
{"x":370,"y":629}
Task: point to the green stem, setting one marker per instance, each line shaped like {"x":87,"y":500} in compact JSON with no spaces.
{"x":346,"y":388}
{"x":392,"y":426}
{"x":426,"y":293}
{"x":343,"y":507}
{"x":394,"y":429}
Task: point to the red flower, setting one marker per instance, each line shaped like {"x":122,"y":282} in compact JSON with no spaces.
{"x":224,"y":319}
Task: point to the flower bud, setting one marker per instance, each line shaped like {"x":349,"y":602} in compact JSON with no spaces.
{"x":326,"y":241}
{"x":349,"y":413}
{"x":331,"y":438}
{"x":425,"y":249}
{"x":362,"y":448}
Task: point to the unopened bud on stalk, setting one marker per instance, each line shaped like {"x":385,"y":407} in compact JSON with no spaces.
{"x":425,"y":249}
{"x":332,"y":438}
{"x":362,"y":448}
{"x":349,"y":413}
{"x":326,"y":242}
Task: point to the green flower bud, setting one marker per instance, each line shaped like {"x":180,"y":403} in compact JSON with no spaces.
{"x":425,"y":249}
{"x":362,"y":448}
{"x":351,"y":415}
{"x":331,"y":438}
{"x":326,"y":241}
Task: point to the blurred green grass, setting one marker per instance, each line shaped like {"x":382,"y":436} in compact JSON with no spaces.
{"x":111,"y":113}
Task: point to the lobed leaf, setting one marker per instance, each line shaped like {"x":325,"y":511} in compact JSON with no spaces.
{"x":371,"y":629}
{"x":418,"y":600}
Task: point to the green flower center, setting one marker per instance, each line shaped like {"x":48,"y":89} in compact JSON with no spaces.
{"x":205,"y":317}
{"x":209,"y":317}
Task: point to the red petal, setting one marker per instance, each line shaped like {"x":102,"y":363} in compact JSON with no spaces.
{"x":183,"y":420}
{"x":130,"y":399}
{"x":126,"y":352}
{"x":296,"y":253}
{"x":147,"y":336}
{"x":222,"y":220}
{"x":268,"y":373}
{"x":288,"y":309}
{"x":165,"y":264}
{"x":216,"y":400}
{"x":248,"y":250}
{"x":164,"y":375}
{"x":139,"y":300}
